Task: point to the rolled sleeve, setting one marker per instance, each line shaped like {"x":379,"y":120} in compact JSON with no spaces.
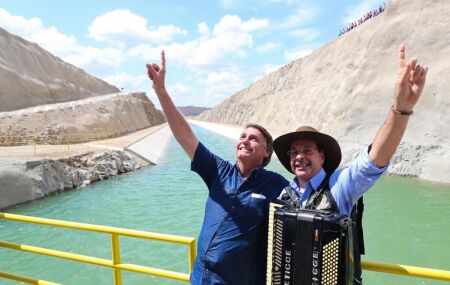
{"x":349,"y":184}
{"x":207,"y":164}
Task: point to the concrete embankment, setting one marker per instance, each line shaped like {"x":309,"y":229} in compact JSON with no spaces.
{"x":151,"y":147}
{"x":27,"y":175}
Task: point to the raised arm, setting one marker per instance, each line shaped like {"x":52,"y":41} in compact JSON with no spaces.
{"x":410,"y":83}
{"x":177,"y":123}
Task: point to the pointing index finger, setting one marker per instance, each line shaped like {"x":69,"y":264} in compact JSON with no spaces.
{"x":163,"y":60}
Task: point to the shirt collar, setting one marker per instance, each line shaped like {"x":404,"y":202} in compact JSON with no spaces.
{"x":254,"y":171}
{"x":314,"y":182}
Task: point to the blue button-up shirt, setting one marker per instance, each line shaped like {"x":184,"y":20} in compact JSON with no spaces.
{"x":347,"y":185}
{"x":232,"y":245}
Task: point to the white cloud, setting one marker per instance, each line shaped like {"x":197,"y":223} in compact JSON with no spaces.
{"x":231,"y":36}
{"x":128,"y":82}
{"x":203,"y":29}
{"x":149,"y":53}
{"x":290,"y":56}
{"x":301,"y":16}
{"x":179,"y":89}
{"x":18,"y":24}
{"x":305,"y":34}
{"x":254,"y":24}
{"x":181,"y":94}
{"x":61,"y":45}
{"x":234,"y":24}
{"x":33,"y":30}
{"x":176,"y":53}
{"x":227,"y":4}
{"x":86,"y":56}
{"x":220,"y":85}
{"x":54,"y":41}
{"x":141,"y":83}
{"x":267,"y":47}
{"x":119,"y":26}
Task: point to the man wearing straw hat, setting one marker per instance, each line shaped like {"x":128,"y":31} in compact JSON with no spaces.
{"x":314,"y":156}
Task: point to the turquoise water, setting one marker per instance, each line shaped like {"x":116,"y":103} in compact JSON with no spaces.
{"x":405,"y":222}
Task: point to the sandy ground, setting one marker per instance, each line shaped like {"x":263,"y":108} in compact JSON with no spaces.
{"x":36,"y":152}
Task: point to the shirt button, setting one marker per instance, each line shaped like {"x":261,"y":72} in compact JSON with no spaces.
{"x":232,"y":207}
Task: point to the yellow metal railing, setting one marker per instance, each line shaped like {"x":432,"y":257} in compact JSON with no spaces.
{"x":114,"y":263}
{"x":25,"y":279}
{"x":406,"y":270}
{"x":117,"y":266}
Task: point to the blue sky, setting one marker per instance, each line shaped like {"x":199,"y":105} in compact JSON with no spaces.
{"x":213,"y":48}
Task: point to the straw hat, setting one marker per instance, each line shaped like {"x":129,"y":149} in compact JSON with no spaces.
{"x":326,"y":143}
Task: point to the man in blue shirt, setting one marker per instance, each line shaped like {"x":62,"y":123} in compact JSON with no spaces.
{"x":314,"y":156}
{"x":232,"y":243}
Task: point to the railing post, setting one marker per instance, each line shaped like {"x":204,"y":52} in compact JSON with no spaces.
{"x":116,"y":259}
{"x":192,"y":248}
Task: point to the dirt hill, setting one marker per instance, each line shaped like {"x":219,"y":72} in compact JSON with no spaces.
{"x":31,"y":76}
{"x":345,"y":88}
{"x":43,"y":97}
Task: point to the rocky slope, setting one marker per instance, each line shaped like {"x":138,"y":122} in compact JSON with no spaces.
{"x":31,"y":76}
{"x":345,"y":88}
{"x":43,"y":98}
{"x":83,"y":120}
{"x":25,"y":181}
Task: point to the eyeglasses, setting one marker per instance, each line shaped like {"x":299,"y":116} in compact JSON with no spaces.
{"x":305,"y":151}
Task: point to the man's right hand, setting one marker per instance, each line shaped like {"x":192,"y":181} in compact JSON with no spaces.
{"x":157,"y":74}
{"x":410,"y":82}
{"x":177,"y":123}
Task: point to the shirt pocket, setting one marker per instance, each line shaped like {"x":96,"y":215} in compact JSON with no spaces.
{"x":258,"y":206}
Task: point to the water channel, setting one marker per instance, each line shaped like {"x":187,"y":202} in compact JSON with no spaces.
{"x":405,"y":222}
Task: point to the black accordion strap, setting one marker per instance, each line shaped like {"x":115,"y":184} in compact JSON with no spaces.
{"x":324,"y":186}
{"x":359,"y":216}
{"x":294,"y":198}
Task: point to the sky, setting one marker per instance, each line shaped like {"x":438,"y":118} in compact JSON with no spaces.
{"x":213,"y":48}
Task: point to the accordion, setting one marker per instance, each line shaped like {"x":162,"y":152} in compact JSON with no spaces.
{"x":309,"y":247}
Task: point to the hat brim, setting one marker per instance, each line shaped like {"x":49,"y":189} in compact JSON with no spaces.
{"x":326,"y":143}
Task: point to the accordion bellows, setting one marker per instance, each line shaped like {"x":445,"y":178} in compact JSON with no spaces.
{"x":307,"y":247}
